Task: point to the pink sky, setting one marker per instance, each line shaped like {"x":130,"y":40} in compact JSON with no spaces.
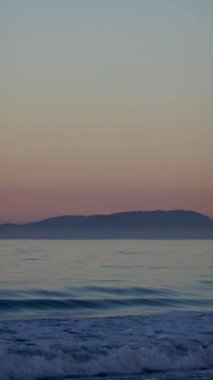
{"x":106,"y":108}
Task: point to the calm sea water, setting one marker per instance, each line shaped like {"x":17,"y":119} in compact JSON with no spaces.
{"x":123,"y":309}
{"x":111,"y":277}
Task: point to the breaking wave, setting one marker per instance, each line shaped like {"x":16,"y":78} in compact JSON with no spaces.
{"x":59,"y":349}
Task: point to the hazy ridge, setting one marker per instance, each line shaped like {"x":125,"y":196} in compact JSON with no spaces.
{"x":174,"y":224}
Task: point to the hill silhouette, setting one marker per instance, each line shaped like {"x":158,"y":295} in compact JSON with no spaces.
{"x":174,"y":224}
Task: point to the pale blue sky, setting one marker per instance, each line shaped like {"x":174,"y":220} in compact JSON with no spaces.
{"x":103,"y":97}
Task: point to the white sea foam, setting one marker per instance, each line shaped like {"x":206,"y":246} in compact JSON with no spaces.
{"x":94,"y":346}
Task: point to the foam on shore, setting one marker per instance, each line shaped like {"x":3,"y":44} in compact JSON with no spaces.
{"x":35,"y":349}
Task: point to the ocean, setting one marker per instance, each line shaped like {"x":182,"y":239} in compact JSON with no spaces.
{"x":112,"y":309}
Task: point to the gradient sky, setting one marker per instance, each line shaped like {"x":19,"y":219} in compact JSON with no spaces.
{"x":105,"y":106}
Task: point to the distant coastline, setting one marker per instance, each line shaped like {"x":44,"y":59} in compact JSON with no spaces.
{"x":159,"y":224}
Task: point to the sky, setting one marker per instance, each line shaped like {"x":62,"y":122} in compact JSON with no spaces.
{"x":105,"y":106}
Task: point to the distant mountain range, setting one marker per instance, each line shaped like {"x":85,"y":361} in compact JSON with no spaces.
{"x":175,"y":224}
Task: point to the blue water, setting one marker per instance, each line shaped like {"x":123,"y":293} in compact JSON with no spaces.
{"x":119,"y":310}
{"x":46,"y":279}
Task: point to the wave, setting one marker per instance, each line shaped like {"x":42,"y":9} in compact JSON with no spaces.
{"x":96,"y":301}
{"x":68,"y":348}
{"x":95,"y":305}
{"x":120,"y":361}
